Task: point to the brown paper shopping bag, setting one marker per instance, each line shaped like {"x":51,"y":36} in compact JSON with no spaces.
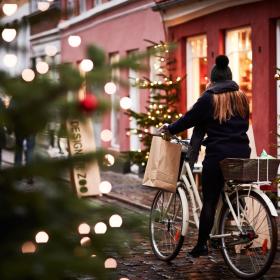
{"x":163,"y":165}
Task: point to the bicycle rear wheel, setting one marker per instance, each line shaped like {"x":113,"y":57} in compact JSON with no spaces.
{"x":166,"y":223}
{"x":251,"y":253}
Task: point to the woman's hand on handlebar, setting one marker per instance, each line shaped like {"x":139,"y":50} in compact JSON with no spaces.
{"x":164,"y":129}
{"x":165,"y":132}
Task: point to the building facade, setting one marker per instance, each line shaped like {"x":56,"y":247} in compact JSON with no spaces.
{"x":119,"y":27}
{"x":248,"y":32}
{"x":19,"y":46}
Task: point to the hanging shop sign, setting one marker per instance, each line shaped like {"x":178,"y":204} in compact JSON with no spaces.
{"x":85,"y":176}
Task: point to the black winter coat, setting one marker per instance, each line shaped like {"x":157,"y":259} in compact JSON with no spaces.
{"x":223,"y":139}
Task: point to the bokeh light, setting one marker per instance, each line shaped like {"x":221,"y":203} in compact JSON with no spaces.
{"x":28,"y":75}
{"x":84,"y":228}
{"x":28,"y":247}
{"x":74,"y":41}
{"x":43,"y":5}
{"x":42,"y":237}
{"x":10,"y":60}
{"x":110,"y":88}
{"x":9,"y":9}
{"x":100,"y":228}
{"x":85,"y":241}
{"x":42,"y":67}
{"x":86,"y":65}
{"x":115,"y":220}
{"x":9,"y":34}
{"x":109,"y":160}
{"x":125,"y":103}
{"x":110,"y":263}
{"x":105,"y":187}
{"x":51,"y":50}
{"x":106,"y":135}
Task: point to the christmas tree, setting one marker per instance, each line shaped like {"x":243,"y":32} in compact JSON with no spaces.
{"x":47,"y":232}
{"x":162,"y":104}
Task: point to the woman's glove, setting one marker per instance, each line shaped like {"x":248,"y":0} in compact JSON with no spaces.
{"x":164,"y":128}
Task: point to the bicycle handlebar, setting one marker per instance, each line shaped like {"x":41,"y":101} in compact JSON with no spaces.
{"x":185,"y":142}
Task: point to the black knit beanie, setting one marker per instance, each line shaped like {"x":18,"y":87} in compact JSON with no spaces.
{"x":221,"y":71}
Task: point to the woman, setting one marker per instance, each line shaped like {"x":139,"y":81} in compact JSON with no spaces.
{"x":223,"y":112}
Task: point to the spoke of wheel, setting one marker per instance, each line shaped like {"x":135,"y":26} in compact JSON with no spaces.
{"x":264,"y":218}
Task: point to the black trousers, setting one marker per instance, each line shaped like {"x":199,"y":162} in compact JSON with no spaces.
{"x":212,"y":185}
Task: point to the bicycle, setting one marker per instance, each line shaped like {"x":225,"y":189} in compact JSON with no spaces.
{"x":245,"y":227}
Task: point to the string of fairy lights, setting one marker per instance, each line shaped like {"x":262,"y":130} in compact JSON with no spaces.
{"x":10,"y":60}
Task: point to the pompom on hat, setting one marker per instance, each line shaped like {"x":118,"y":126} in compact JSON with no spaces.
{"x":221,"y":71}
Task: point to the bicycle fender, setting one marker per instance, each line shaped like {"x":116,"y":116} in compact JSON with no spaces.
{"x":268,"y":202}
{"x":185,"y":210}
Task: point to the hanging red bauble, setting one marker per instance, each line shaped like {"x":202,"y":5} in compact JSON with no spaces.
{"x":89,"y":103}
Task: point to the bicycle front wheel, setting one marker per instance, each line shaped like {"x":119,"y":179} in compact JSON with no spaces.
{"x":249,"y":253}
{"x":166,"y":224}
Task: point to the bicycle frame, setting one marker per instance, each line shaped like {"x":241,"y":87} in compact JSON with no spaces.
{"x":191,"y":188}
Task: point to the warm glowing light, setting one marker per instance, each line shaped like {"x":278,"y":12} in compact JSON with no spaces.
{"x":105,"y":187}
{"x":42,"y":67}
{"x":74,"y":41}
{"x":85,"y":241}
{"x":84,"y":228}
{"x":9,"y":9}
{"x":106,"y":135}
{"x":115,"y":220}
{"x":28,"y":247}
{"x":9,"y":34}
{"x":110,"y":263}
{"x":100,"y":228}
{"x":109,"y":160}
{"x":123,"y":278}
{"x":125,"y":103}
{"x":10,"y":60}
{"x":86,"y":65}
{"x":28,"y":75}
{"x":42,"y":237}
{"x":51,"y":50}
{"x":110,"y":88}
{"x":43,"y":6}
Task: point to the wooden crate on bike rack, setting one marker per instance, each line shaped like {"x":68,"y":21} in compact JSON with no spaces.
{"x":249,"y":170}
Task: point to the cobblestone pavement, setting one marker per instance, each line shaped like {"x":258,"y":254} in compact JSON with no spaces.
{"x":141,"y":264}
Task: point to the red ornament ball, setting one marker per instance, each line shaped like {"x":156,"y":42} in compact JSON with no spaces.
{"x":89,"y":103}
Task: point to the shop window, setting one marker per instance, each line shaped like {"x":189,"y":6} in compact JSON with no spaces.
{"x":115,"y":98}
{"x":196,"y":49}
{"x":239,"y":52}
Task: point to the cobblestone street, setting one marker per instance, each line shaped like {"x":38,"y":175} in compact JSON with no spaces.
{"x":141,"y":264}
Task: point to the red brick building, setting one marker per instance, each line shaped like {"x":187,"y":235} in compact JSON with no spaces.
{"x":248,"y":32}
{"x":119,"y":27}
